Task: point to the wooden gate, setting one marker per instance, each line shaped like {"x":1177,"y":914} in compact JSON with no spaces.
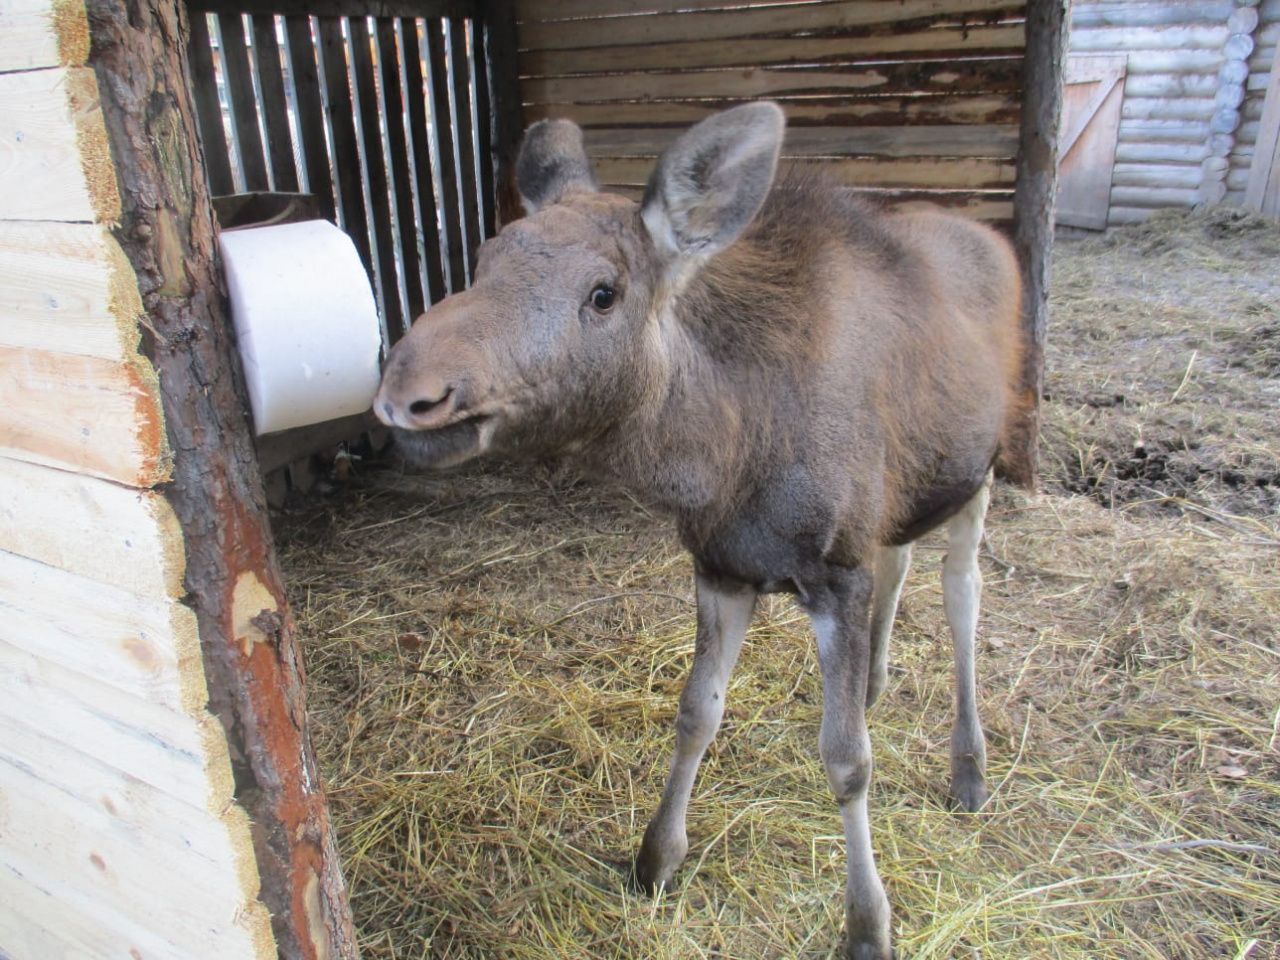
{"x":378,"y":109}
{"x":1094,"y":90}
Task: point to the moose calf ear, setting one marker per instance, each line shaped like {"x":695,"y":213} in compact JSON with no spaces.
{"x":552,"y":163}
{"x":711,"y":182}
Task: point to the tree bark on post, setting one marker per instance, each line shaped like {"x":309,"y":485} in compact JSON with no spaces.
{"x":1033,"y":205}
{"x":247,"y":632}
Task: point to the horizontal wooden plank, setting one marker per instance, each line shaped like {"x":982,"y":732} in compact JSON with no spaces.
{"x":42,"y":33}
{"x":751,"y":22}
{"x":992,"y":206}
{"x":341,"y":8}
{"x":1167,"y":108}
{"x":185,"y":904}
{"x":747,"y":53}
{"x":918,"y":172}
{"x":1126,"y":13}
{"x":84,"y":414}
{"x":1171,"y":61}
{"x":824,"y":111}
{"x":1171,"y":85}
{"x":142,"y":646}
{"x":67,"y":287}
{"x":1195,"y":37}
{"x":96,"y":529}
{"x":1163,"y":131}
{"x":1161,"y":152}
{"x":1153,"y":196}
{"x":1156,"y":175}
{"x":54,"y":160}
{"x":217,"y":837}
{"x":175,"y":753}
{"x":1001,"y":74}
{"x":986,"y":140}
{"x":530,"y":10}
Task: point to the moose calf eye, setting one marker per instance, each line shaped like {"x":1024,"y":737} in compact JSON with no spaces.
{"x":602,"y":298}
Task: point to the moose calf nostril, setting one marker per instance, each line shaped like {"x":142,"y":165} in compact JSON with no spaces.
{"x":420,"y":407}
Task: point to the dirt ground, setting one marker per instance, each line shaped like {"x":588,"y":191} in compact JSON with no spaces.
{"x":495,"y":655}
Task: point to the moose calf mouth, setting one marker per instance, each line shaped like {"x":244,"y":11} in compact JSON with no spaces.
{"x":444,"y":446}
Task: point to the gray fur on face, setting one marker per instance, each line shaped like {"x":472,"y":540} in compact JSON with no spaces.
{"x":552,"y":163}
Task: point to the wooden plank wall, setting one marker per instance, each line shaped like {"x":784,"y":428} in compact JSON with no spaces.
{"x":1197,"y":72}
{"x":118,"y":834}
{"x":910,"y":100}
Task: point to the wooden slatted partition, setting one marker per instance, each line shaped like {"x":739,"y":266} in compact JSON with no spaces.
{"x":907,"y":99}
{"x":379,"y":109}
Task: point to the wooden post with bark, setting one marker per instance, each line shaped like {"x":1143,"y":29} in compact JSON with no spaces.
{"x":1044,"y":62}
{"x":232,"y":581}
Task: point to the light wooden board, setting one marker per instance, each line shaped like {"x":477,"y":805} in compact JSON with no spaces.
{"x":978,"y":75}
{"x":1154,"y":197}
{"x":1107,"y":39}
{"x":1156,"y":175}
{"x":170,"y":751}
{"x":747,"y":53}
{"x":1128,"y":13}
{"x":219,"y":837}
{"x":829,"y":111}
{"x":42,"y":33}
{"x":125,"y":538}
{"x":728,"y":24}
{"x":865,"y":172}
{"x":83,"y":414}
{"x":1091,"y":110}
{"x":48,"y":918}
{"x":1262,"y":191}
{"x":977,"y":140}
{"x":143,"y":646}
{"x":54,"y":160}
{"x":67,"y":287}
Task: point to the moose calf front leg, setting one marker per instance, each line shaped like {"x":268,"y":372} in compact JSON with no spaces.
{"x":961,"y":592}
{"x":892,"y":564}
{"x":844,"y":652}
{"x":724,"y":613}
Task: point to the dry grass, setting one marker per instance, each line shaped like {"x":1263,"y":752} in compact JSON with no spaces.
{"x":495,"y":658}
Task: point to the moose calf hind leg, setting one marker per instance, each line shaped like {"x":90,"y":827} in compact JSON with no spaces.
{"x":892,"y":564}
{"x":724,"y":613}
{"x":961,"y":592}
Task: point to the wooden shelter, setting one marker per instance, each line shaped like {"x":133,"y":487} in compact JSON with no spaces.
{"x":158,"y":795}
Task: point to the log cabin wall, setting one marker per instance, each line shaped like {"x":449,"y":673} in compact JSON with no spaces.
{"x":1196,"y":79}
{"x":911,"y":100}
{"x":119,"y":835}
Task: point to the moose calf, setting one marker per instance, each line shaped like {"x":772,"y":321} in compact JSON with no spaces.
{"x":804,"y":382}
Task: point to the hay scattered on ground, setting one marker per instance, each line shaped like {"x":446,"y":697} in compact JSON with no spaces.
{"x":495,"y":657}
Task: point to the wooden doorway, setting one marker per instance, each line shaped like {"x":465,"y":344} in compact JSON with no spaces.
{"x":1094,"y":89}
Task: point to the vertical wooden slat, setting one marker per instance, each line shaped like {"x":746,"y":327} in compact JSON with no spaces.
{"x":420,"y":144}
{"x":266,"y":51}
{"x":244,"y":111}
{"x":306,"y":87}
{"x":376,"y":171}
{"x":449,"y":206}
{"x":506,"y":117}
{"x":483,"y":127}
{"x":346,"y":156}
{"x":463,"y":124}
{"x":389,"y":62}
{"x":212,"y":137}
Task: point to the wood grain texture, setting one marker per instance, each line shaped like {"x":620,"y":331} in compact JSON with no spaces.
{"x":750,"y":22}
{"x":67,"y":287}
{"x":232,"y":582}
{"x":692,"y":54}
{"x":54,"y":159}
{"x":42,"y":33}
{"x":532,"y":10}
{"x":1262,"y":192}
{"x":83,"y":414}
{"x":975,"y":140}
{"x":143,"y":646}
{"x":1001,"y":75}
{"x":810,"y":111}
{"x":905,"y":172}
{"x":52,"y":516}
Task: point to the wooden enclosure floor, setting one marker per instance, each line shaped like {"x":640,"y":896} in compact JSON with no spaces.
{"x":494,"y":658}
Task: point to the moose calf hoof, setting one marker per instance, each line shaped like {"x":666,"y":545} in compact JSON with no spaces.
{"x":968,"y":786}
{"x":657,"y":862}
